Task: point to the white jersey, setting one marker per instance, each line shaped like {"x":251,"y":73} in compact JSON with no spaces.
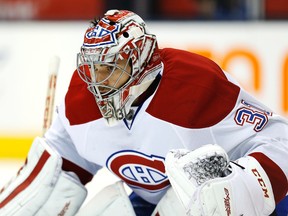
{"x":195,"y":103}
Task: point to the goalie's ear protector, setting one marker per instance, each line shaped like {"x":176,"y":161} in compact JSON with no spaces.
{"x":41,"y":187}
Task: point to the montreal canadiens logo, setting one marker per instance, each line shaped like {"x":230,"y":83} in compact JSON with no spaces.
{"x":139,"y":170}
{"x":103,"y":34}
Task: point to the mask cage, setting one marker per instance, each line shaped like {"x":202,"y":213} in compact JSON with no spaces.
{"x":88,"y":69}
{"x":110,"y":99}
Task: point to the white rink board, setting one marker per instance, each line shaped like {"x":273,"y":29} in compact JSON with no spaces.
{"x":26,"y":47}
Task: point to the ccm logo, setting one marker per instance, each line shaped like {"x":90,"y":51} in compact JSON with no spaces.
{"x":261,"y":182}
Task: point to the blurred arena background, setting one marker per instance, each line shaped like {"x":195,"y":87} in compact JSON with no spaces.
{"x":246,"y":38}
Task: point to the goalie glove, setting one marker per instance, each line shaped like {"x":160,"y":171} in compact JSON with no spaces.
{"x":208,"y":184}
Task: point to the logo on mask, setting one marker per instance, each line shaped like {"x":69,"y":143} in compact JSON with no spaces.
{"x":102,"y":35}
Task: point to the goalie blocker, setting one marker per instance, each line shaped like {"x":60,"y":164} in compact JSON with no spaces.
{"x":41,"y":187}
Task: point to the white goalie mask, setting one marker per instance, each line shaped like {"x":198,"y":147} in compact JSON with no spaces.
{"x":113,"y":60}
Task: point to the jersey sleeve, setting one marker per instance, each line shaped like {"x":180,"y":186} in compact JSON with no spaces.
{"x":58,"y":137}
{"x":253,"y":129}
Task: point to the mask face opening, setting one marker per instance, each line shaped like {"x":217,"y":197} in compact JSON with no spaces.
{"x":108,"y":77}
{"x":105,"y":75}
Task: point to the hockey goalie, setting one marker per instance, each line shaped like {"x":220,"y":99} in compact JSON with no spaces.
{"x":174,"y":127}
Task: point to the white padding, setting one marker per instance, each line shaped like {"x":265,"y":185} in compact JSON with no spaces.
{"x":204,"y":188}
{"x":66,"y":198}
{"x":177,"y":165}
{"x":244,"y":192}
{"x":112,"y":200}
{"x":41,"y":184}
{"x":169,"y":205}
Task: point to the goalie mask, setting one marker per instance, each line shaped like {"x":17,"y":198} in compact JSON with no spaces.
{"x":113,"y":60}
